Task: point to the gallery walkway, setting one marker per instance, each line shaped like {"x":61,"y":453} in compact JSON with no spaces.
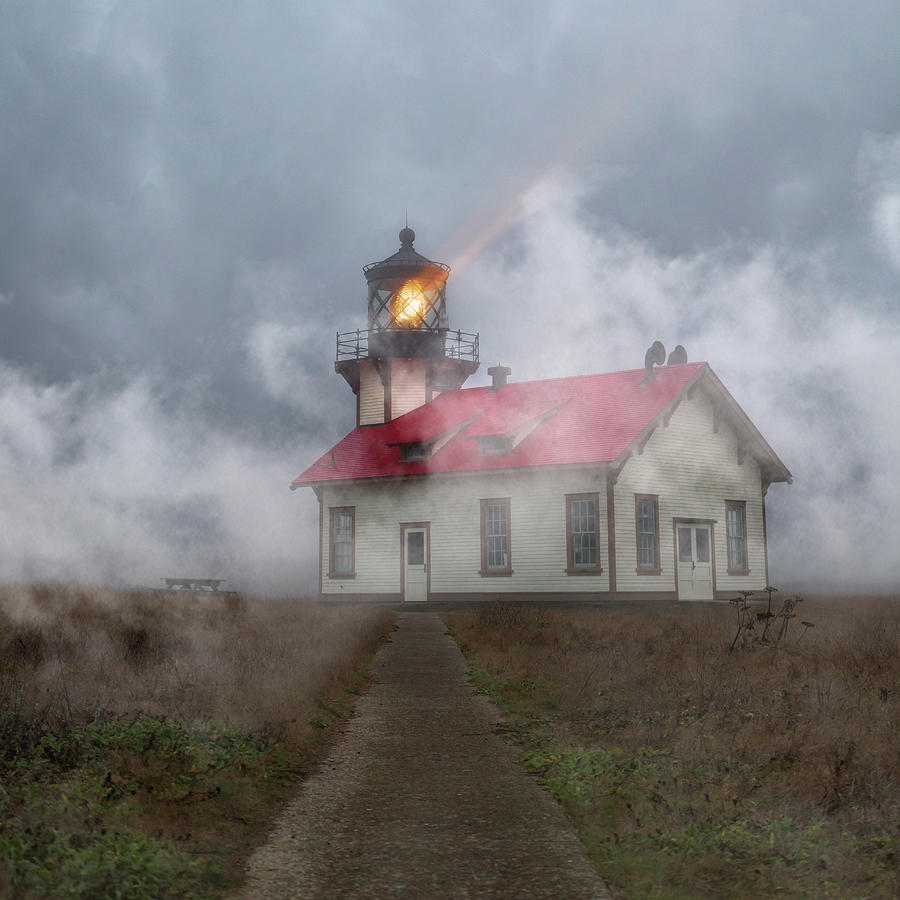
{"x":422,"y":798}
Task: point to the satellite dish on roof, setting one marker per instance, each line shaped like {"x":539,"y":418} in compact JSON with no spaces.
{"x":656,"y":355}
{"x":678,"y":357}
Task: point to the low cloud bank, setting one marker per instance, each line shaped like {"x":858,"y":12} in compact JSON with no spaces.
{"x":131,"y":484}
{"x":128,"y":486}
{"x":816,"y":367}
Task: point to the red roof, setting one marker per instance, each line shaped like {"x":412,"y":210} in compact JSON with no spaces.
{"x":581,"y":419}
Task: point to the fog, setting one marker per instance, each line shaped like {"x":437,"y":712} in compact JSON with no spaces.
{"x":128,"y":486}
{"x":135,"y":483}
{"x":189,"y":195}
{"x":815,"y":365}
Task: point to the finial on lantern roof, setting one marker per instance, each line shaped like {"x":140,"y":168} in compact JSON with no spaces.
{"x":407,"y":236}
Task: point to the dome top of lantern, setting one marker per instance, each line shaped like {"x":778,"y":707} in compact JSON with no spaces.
{"x":406,"y":258}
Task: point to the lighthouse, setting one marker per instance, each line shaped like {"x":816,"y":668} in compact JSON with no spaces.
{"x":408,"y":354}
{"x":643,"y":484}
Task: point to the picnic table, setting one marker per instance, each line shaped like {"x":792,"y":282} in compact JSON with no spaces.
{"x":193,"y":584}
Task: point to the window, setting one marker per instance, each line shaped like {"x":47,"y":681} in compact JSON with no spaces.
{"x":646,"y":521}
{"x":685,"y":550}
{"x":491,"y":444}
{"x":495,"y":552}
{"x":414,"y":450}
{"x":342,"y":541}
{"x":736,"y":536}
{"x":415,"y":548}
{"x":702,"y":538}
{"x":583,"y":534}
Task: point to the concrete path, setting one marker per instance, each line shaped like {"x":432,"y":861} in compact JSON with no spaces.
{"x":422,"y":798}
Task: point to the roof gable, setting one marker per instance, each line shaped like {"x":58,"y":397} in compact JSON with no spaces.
{"x":559,"y":421}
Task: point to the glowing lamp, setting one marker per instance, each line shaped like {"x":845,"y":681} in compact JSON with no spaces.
{"x":409,"y":305}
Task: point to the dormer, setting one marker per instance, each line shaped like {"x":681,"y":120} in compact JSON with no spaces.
{"x":423,"y":448}
{"x":414,"y":451}
{"x":496,"y":442}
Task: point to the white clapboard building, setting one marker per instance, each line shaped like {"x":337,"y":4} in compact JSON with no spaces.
{"x":648,"y":483}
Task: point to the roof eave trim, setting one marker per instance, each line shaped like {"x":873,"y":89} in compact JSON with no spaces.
{"x":763,"y":451}
{"x":662,"y":417}
{"x":491,"y":470}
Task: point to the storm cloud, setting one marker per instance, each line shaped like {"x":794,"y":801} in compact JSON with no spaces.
{"x":189,"y":193}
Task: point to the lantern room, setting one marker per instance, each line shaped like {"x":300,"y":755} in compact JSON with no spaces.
{"x":408,"y":354}
{"x":407,"y":300}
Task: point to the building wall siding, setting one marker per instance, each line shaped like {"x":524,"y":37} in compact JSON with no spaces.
{"x":451,"y":504}
{"x":694,"y":471}
{"x":371,"y":394}
{"x":407,"y":385}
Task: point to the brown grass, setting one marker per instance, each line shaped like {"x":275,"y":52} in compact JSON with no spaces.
{"x":801,"y":730}
{"x":260,"y":684}
{"x":74,"y":653}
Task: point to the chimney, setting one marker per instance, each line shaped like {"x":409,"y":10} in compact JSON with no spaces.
{"x":499,"y":374}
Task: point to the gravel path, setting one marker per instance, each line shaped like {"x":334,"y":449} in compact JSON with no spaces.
{"x":422,"y":798}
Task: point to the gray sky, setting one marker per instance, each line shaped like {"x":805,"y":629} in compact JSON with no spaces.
{"x":189,"y":192}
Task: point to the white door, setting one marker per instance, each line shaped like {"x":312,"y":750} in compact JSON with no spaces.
{"x":415,"y":563}
{"x":694,"y":562}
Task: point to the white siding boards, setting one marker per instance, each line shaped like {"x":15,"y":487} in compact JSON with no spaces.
{"x":371,"y":394}
{"x":452,"y":506}
{"x":691,"y":464}
{"x":405,"y":389}
{"x":407,"y":385}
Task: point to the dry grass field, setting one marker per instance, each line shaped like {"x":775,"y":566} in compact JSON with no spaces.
{"x":695,"y":772}
{"x":147,"y":740}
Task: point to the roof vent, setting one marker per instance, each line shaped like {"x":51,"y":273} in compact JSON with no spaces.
{"x":500,"y":374}
{"x":656,"y":355}
{"x":678,"y":357}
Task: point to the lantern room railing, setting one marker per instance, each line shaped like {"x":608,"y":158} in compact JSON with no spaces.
{"x":355,"y":344}
{"x":413,"y":262}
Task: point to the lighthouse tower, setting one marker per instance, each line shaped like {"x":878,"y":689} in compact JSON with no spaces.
{"x":408,"y":354}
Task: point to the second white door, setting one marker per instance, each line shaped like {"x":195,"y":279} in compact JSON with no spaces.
{"x":694,"y":546}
